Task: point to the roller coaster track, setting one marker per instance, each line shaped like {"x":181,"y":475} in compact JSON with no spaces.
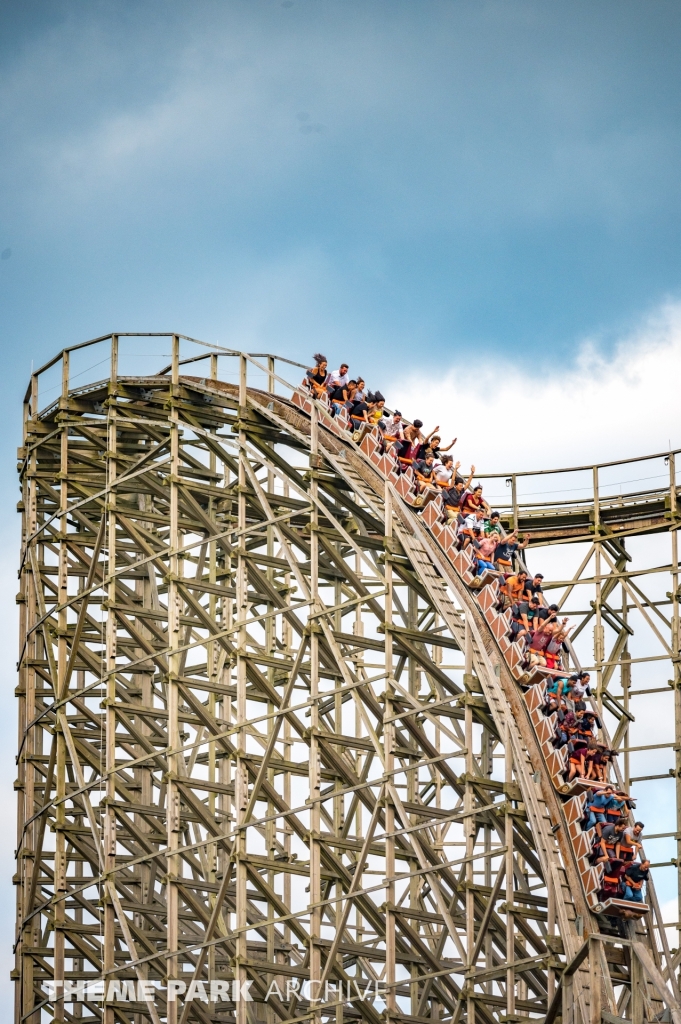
{"x":621,"y":516}
{"x":171,"y":809}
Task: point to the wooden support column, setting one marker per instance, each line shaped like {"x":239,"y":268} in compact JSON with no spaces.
{"x":110,"y":680}
{"x":595,"y":983}
{"x":173,"y":791}
{"x":412,"y":781}
{"x":29,"y":864}
{"x":487,"y":766}
{"x":551,"y":930}
{"x":514,"y":501}
{"x":469,"y":821}
{"x":510,"y":923}
{"x":287,"y":640}
{"x":637,"y":980}
{"x":568,"y":1001}
{"x":599,"y":636}
{"x":676,"y":667}
{"x":625,"y":680}
{"x":58,"y":684}
{"x":241,"y":774}
{"x":314,"y":766}
{"x":389,"y":736}
{"x":212,"y":655}
{"x":339,"y":802}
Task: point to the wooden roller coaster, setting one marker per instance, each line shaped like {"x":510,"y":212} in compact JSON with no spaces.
{"x":277,"y":760}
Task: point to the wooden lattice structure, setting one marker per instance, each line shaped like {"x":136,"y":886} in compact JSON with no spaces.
{"x":267,"y":736}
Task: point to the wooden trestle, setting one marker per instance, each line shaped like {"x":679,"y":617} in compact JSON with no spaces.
{"x":269,"y":736}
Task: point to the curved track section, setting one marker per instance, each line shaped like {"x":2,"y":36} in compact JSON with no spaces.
{"x":272,"y":743}
{"x":554,"y":762}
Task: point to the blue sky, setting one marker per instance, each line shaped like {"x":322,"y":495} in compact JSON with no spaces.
{"x":381,"y":177}
{"x":468,"y":193}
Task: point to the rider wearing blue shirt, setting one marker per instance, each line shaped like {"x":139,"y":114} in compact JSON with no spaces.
{"x":596,"y":807}
{"x":616,"y":808}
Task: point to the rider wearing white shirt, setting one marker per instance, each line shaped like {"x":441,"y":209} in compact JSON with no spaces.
{"x":442,"y":474}
{"x":394,"y":427}
{"x":474,"y":521}
{"x":338,"y":378}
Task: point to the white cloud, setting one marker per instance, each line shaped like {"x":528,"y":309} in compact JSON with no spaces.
{"x":508,"y":416}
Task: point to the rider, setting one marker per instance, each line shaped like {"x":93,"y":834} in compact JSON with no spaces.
{"x":634,"y":877}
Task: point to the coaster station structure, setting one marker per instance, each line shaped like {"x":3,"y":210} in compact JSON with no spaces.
{"x":270,"y":737}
